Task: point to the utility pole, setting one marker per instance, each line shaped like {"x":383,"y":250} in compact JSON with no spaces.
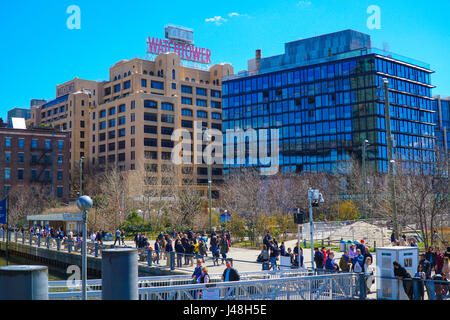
{"x":390,"y":144}
{"x":209,"y":160}
{"x":81,"y":177}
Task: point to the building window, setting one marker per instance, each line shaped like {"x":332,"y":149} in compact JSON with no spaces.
{"x":216,"y":105}
{"x":60,"y":145}
{"x":111,"y":146}
{"x":174,"y":86}
{"x":8,"y":142}
{"x":150,"y":104}
{"x":216,"y":116}
{"x":186,"y":124}
{"x":60,"y":159}
{"x":166,"y":155}
{"x":166,"y":131}
{"x":112,"y":134}
{"x":47,"y":144}
{"x":21,"y":158}
{"x":121,"y":157}
{"x":20,"y":174}
{"x":82,"y":134}
{"x":127,"y":85}
{"x":133,"y":105}
{"x":157,"y":85}
{"x":150,"y":129}
{"x":60,"y":175}
{"x":122,"y":108}
{"x":8,"y":157}
{"x":186,"y":112}
{"x":201,"y":103}
{"x":216,"y":94}
{"x":133,"y":117}
{"x":102,"y":137}
{"x":112,"y":123}
{"x":122,"y":132}
{"x":117,"y":88}
{"x":7,"y":174}
{"x":167,"y":118}
{"x":133,"y":130}
{"x":112,"y":111}
{"x":186,"y":101}
{"x":102,"y":113}
{"x":150,"y":142}
{"x":144,"y":83}
{"x":60,"y":192}
{"x":201,"y":92}
{"x":167,"y":143}
{"x":21,"y":143}
{"x":151,"y":155}
{"x":202,"y":114}
{"x":150,"y":117}
{"x":34,"y":144}
{"x":102,"y":125}
{"x":122,"y":121}
{"x":167,"y":106}
{"x":186,"y":89}
{"x":101,"y":148}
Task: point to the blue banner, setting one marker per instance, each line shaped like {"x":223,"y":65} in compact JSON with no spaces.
{"x":3,"y":211}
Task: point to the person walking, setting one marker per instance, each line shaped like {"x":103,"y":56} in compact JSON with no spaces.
{"x":439,"y":261}
{"x":122,"y":237}
{"x":274,"y":252}
{"x":223,"y":249}
{"x":117,"y":237}
{"x":157,"y":249}
{"x":179,"y":249}
{"x":431,"y":256}
{"x":169,"y":249}
{"x":264,"y":257}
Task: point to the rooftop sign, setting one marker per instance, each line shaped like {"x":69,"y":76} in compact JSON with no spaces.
{"x":186,"y":51}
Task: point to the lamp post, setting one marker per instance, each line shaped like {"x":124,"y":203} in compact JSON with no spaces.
{"x":364,"y":155}
{"x":81,"y":175}
{"x":84,"y":203}
{"x":209,"y":161}
{"x":390,"y":144}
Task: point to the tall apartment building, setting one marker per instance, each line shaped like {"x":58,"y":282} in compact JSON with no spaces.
{"x":69,"y":111}
{"x":325,"y":97}
{"x":142,"y":105}
{"x":19,"y":113}
{"x":442,"y":119}
{"x":36,"y":158}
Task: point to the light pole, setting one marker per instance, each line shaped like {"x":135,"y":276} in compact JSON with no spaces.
{"x":84,"y":203}
{"x":81,"y":175}
{"x":364,"y":155}
{"x":209,"y":161}
{"x":390,"y":143}
{"x":311,"y":226}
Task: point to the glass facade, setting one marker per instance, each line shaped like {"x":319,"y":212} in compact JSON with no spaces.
{"x":324,"y":112}
{"x":442,"y":120}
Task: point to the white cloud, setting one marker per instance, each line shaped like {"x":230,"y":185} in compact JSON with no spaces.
{"x":218,"y":20}
{"x":233,"y":14}
{"x":304,"y":3}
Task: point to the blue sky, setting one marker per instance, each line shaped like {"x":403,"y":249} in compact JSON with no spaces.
{"x":38,"y":50}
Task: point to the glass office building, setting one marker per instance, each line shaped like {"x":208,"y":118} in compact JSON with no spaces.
{"x":325,"y":97}
{"x":442,"y":120}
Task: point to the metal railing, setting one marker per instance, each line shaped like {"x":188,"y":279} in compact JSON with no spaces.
{"x":325,"y":287}
{"x":176,"y":280}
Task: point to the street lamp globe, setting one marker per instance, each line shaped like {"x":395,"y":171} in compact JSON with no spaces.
{"x":84,"y":203}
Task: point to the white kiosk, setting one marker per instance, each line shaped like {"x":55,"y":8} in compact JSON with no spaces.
{"x":407,"y":257}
